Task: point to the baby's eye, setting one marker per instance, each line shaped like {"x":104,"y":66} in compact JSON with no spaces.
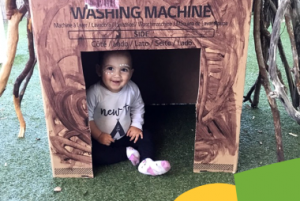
{"x":110,"y":68}
{"x":125,"y":70}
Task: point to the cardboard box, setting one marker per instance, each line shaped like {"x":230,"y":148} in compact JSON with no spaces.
{"x":196,"y":50}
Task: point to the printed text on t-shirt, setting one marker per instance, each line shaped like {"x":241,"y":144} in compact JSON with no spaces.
{"x":115,"y":112}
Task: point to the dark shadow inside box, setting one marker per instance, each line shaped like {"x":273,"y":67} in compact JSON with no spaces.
{"x":163,"y":76}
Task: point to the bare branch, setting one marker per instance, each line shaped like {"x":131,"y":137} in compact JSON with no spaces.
{"x":279,"y":91}
{"x":12,"y":41}
{"x":293,"y":93}
{"x":27,"y":72}
{"x":294,"y":50}
{"x":30,"y":63}
{"x":10,"y":6}
{"x":265,"y":80}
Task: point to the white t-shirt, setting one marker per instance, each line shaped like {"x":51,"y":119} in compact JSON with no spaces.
{"x":114,"y":113}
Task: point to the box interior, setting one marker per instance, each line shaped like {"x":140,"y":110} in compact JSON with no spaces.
{"x":163,"y":76}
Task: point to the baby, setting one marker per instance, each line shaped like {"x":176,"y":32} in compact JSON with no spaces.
{"x":116,"y":116}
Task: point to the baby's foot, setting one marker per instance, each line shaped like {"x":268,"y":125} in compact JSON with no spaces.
{"x":133,"y":155}
{"x":154,"y":168}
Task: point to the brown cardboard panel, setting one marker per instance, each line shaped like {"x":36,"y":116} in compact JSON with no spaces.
{"x":166,"y":39}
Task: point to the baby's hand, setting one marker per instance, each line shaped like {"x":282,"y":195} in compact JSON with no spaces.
{"x":134,"y":133}
{"x":105,"y":139}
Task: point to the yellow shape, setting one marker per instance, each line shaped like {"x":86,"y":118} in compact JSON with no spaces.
{"x":210,"y":192}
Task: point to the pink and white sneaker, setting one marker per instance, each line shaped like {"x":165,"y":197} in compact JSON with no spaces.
{"x":154,"y":168}
{"x":133,"y":155}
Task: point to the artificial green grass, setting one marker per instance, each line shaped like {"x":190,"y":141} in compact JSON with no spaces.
{"x":27,"y":174}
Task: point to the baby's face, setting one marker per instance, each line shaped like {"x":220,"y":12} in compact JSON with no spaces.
{"x":116,"y":72}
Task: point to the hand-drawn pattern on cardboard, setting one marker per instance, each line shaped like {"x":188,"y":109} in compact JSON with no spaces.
{"x":65,"y":102}
{"x":63,"y":29}
{"x":217,"y":107}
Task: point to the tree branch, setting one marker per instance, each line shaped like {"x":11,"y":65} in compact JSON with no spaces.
{"x":10,"y":7}
{"x":12,"y":41}
{"x":279,"y":92}
{"x":265,"y":80}
{"x":294,"y":50}
{"x":27,"y":72}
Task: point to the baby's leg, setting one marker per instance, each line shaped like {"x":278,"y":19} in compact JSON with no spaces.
{"x":147,"y":166}
{"x":105,"y":155}
{"x":145,"y":146}
{"x":118,"y":151}
{"x":133,"y":155}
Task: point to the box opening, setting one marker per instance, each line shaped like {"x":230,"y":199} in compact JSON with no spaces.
{"x":168,"y":81}
{"x":163,"y":76}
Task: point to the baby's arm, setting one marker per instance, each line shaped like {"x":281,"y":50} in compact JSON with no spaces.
{"x":101,"y":137}
{"x":134,"y":133}
{"x":137,"y":118}
{"x":137,"y":111}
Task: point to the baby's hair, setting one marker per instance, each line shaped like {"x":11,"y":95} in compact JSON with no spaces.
{"x":117,"y":53}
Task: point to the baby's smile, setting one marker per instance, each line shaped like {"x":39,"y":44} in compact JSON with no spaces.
{"x":116,"y":81}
